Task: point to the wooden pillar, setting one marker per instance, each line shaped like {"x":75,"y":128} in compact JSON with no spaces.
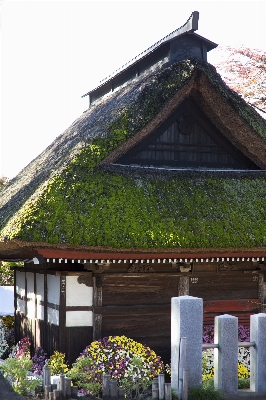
{"x":16,"y":319}
{"x":97,"y":302}
{"x":62,"y":315}
{"x":183,"y":287}
{"x":262,"y":293}
{"x":45,"y":338}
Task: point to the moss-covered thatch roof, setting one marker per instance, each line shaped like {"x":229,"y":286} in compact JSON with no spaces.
{"x":72,"y":194}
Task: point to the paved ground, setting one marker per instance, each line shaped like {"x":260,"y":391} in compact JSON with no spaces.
{"x":246,"y":394}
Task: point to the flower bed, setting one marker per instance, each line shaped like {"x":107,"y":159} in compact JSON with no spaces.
{"x":131,"y":363}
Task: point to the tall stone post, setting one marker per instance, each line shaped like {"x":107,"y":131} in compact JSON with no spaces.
{"x":187,"y":321}
{"x":226,"y":356}
{"x":258,"y":353}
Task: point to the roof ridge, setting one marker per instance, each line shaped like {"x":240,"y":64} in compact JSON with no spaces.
{"x":190,"y":25}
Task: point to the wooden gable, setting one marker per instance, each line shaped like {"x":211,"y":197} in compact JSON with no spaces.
{"x":187,"y":139}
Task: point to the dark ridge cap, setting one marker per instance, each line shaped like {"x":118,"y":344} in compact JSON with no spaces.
{"x":190,"y":26}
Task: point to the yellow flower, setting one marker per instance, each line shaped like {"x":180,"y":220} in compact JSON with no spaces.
{"x":243,"y":371}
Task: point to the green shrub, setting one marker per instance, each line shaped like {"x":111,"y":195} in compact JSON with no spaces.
{"x":3,"y":339}
{"x":9,"y":321}
{"x":205,"y":393}
{"x":16,"y":371}
{"x":57,"y":363}
{"x":243,"y":383}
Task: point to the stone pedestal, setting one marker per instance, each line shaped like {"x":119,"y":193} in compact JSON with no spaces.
{"x":187,"y":321}
{"x":226,"y":356}
{"x":258,"y":353}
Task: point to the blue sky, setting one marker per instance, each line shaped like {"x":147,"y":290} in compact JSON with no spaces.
{"x":52,"y":52}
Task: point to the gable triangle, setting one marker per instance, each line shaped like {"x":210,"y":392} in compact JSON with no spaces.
{"x":188,"y":139}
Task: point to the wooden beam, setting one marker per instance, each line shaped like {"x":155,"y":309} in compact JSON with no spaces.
{"x":129,"y":310}
{"x":124,"y":255}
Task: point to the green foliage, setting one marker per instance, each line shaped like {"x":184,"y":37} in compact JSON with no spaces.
{"x":174,"y":394}
{"x":57,"y":363}
{"x":243,"y":383}
{"x":3,"y":339}
{"x":15,"y":370}
{"x":80,"y":376}
{"x":9,"y":321}
{"x":207,"y":393}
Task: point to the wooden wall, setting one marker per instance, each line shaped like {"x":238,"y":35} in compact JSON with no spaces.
{"x":136,"y":302}
{"x":139,"y":305}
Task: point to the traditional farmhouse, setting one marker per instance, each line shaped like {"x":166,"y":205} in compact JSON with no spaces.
{"x":157,"y":190}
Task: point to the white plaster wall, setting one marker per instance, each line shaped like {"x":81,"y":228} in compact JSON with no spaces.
{"x":53,"y":289}
{"x":77,"y":294}
{"x":20,"y":290}
{"x":30,"y":295}
{"x":79,"y":318}
{"x":40,"y":295}
{"x":52,"y":316}
{"x":21,"y":306}
{"x":20,"y":283}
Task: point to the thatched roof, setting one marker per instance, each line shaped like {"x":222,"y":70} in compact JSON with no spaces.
{"x":74,"y":194}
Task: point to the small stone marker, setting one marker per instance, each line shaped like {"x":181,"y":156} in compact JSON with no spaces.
{"x":62,"y":385}
{"x":106,"y":386}
{"x":47,"y":390}
{"x":258,"y":353}
{"x":161,"y":383}
{"x":57,"y":394}
{"x":167,"y":391}
{"x":55,"y":380}
{"x":113,"y":389}
{"x":74,"y":392}
{"x":155,"y":389}
{"x":46,"y":376}
{"x":68,"y":388}
{"x":121,"y":393}
{"x":226,"y":356}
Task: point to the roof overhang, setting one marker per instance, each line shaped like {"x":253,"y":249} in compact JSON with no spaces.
{"x":16,"y":250}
